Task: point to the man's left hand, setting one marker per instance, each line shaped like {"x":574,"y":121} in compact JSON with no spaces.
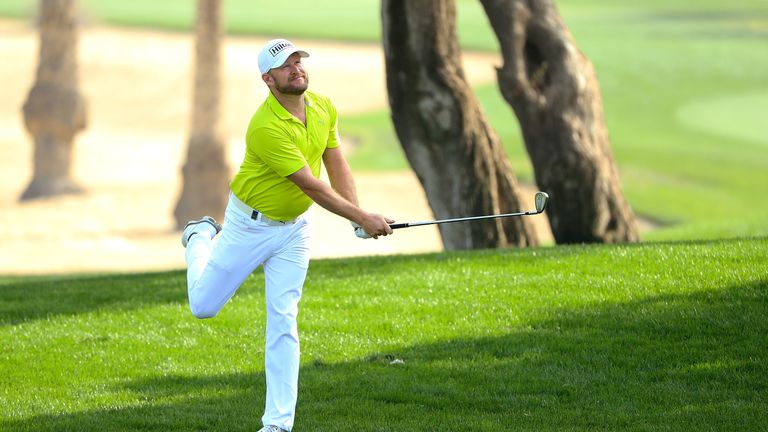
{"x":359,"y":231}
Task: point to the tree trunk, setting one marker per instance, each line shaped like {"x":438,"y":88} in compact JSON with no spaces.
{"x":55,"y":110}
{"x":206,"y":172}
{"x":552,"y":88}
{"x":453,"y":150}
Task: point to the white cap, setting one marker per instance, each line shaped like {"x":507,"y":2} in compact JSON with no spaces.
{"x":276,"y":52}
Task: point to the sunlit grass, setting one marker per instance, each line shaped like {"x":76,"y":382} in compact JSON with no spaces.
{"x":658,"y":336}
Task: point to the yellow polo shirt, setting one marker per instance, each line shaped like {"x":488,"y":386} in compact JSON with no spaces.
{"x":277,"y":144}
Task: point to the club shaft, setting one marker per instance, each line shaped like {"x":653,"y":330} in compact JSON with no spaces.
{"x":463,"y":219}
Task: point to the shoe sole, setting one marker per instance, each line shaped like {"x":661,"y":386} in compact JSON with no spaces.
{"x":211,"y":221}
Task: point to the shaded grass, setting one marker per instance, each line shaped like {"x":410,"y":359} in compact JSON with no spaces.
{"x":657,"y":336}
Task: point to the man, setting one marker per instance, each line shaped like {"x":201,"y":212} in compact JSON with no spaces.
{"x":264,"y":222}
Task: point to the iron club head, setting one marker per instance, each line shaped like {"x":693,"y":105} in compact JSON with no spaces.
{"x":541,"y":199}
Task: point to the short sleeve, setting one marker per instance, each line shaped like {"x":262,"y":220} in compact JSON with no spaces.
{"x":333,"y":134}
{"x":276,"y":149}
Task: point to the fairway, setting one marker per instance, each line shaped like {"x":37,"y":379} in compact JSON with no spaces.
{"x":665,"y":335}
{"x":738,"y":117}
{"x":656,"y":336}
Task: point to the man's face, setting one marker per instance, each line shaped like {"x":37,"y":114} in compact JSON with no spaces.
{"x":289,"y":78}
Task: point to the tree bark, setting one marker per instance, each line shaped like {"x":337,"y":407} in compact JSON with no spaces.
{"x":206,"y":172}
{"x":553,"y":90}
{"x":55,"y":110}
{"x":455,"y":153}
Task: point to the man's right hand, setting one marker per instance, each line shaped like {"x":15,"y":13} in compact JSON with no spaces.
{"x":375,"y":225}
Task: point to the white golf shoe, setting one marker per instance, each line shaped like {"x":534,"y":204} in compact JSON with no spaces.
{"x":271,"y":428}
{"x":196,"y":226}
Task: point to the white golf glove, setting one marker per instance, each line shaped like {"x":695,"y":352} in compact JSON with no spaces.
{"x":359,"y":231}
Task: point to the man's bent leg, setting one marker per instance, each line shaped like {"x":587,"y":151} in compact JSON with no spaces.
{"x":215,"y":272}
{"x":285,"y":275}
{"x":197,"y":254}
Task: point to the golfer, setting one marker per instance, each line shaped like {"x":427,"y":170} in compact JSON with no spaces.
{"x":265,"y":222}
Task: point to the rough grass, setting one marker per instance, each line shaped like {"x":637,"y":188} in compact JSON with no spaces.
{"x":655,"y":336}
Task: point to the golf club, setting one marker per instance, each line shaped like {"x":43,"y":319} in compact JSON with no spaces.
{"x":540,"y":200}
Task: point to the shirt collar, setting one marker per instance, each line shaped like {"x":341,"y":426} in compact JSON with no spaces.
{"x":280,"y":110}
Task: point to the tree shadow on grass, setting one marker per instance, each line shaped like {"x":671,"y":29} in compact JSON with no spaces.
{"x":671,"y":362}
{"x":30,"y":299}
{"x":24,"y":299}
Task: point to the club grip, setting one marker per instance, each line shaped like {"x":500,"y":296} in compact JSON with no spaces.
{"x":399,"y":225}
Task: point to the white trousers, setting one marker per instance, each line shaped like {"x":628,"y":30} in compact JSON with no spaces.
{"x":215,"y":270}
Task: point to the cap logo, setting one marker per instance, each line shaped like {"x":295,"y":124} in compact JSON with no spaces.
{"x":276,"y":48}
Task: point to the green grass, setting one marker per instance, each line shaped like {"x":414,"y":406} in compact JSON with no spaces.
{"x":660,"y":336}
{"x":683,"y":86}
{"x":647,"y":337}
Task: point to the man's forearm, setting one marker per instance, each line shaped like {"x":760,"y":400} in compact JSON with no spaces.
{"x":334,"y":202}
{"x":340,"y":175}
{"x":325,"y":196}
{"x":345,"y":186}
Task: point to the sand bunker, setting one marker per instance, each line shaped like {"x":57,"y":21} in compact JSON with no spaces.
{"x":138,"y":87}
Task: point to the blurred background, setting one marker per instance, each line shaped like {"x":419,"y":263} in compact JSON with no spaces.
{"x":684,"y":87}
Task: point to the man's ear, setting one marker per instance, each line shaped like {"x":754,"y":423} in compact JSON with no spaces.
{"x":267,"y":78}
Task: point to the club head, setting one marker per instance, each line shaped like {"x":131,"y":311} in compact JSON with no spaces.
{"x":541,"y":199}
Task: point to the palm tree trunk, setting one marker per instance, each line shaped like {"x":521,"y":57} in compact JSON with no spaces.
{"x":552,"y":88}
{"x":453,"y":150}
{"x":55,"y":110}
{"x":206,"y":172}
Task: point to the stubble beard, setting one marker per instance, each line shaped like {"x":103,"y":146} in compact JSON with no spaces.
{"x":293,"y":89}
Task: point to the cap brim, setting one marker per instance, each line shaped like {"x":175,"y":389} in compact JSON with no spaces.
{"x":283,"y":56}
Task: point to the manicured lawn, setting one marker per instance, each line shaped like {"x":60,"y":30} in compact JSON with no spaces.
{"x":662,"y":336}
{"x":657,"y":336}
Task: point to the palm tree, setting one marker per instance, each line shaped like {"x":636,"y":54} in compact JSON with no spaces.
{"x":552,"y":87}
{"x":454,"y":151}
{"x":206,"y":172}
{"x":55,"y":110}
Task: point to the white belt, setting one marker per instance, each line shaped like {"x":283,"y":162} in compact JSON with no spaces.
{"x":257,"y":215}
